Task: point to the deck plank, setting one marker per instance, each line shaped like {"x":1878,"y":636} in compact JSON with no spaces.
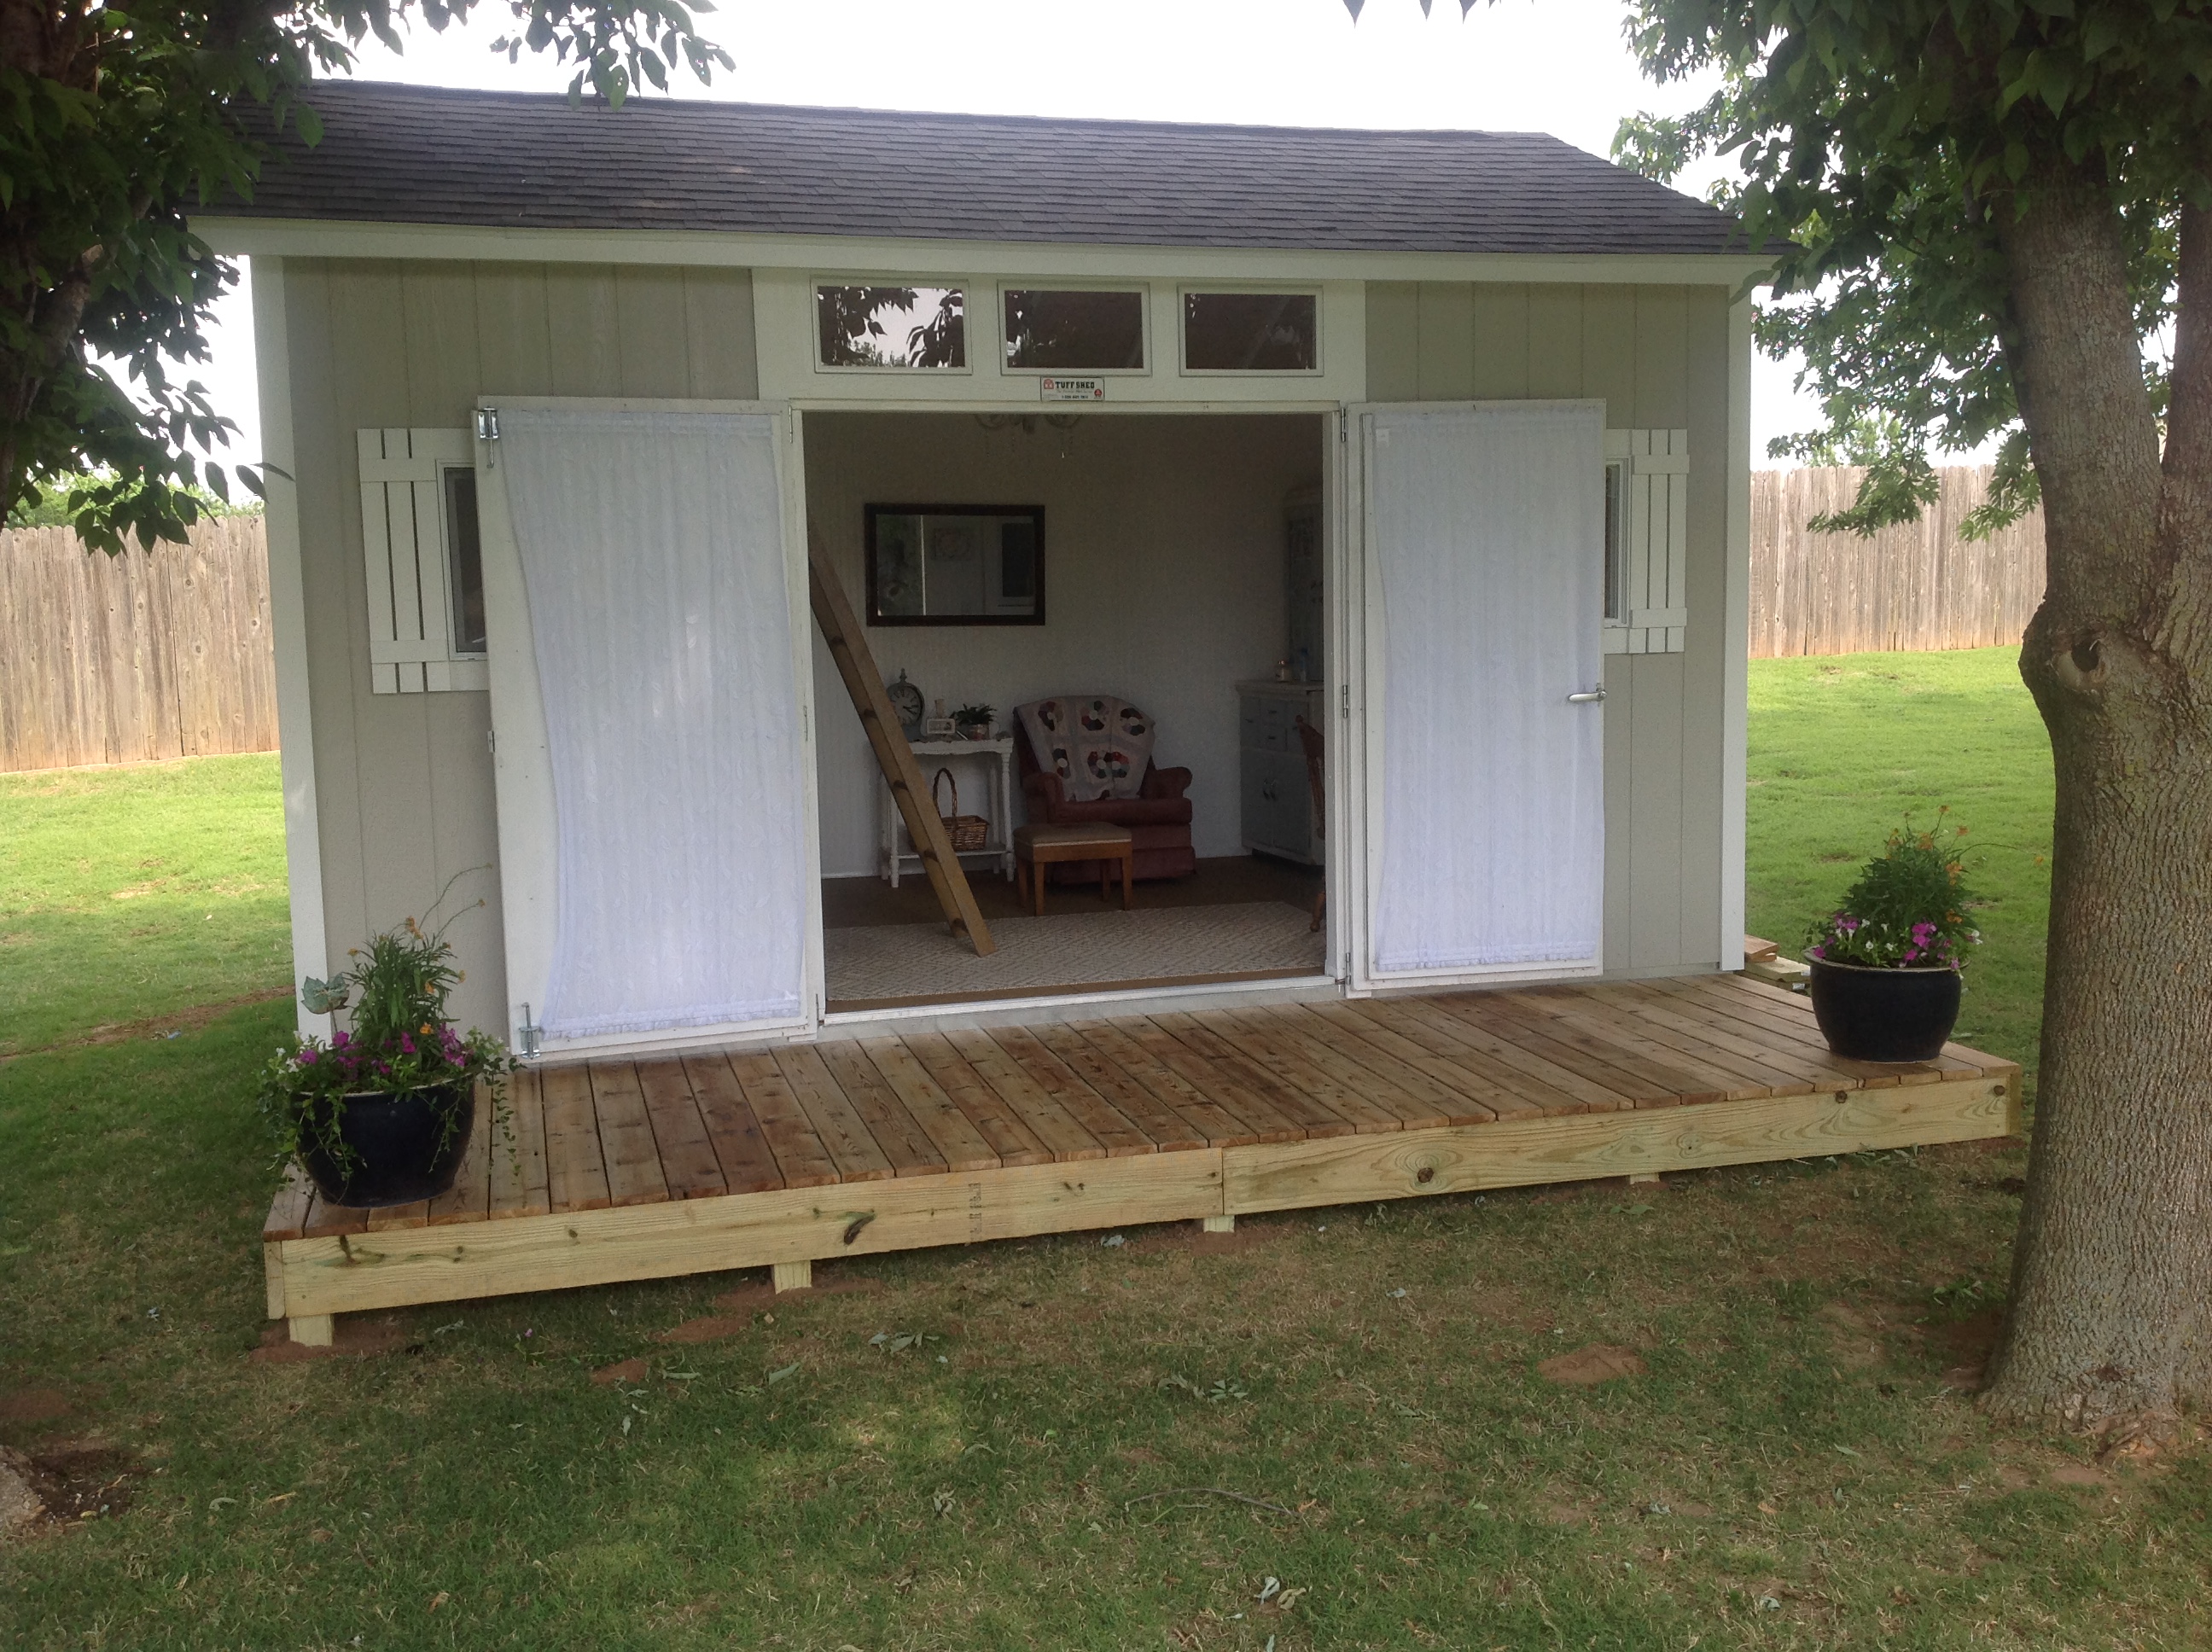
{"x":329,"y":1221}
{"x":831,"y":1112}
{"x":1790,"y":1030}
{"x":633,"y":1158}
{"x":1087,"y":1106}
{"x":1459,"y":1015}
{"x":895,"y":1131}
{"x":1470,"y":1100}
{"x":999,"y":1125}
{"x":1220,"y":1073}
{"x":518,"y":1165}
{"x":575,"y":1169}
{"x":1689,"y":1076}
{"x":1596,"y":1054}
{"x":679,"y":1133}
{"x":951,"y":1131}
{"x":391,"y":1218}
{"x":1049,"y":1122}
{"x":469,"y":1199}
{"x":1126,"y":1045}
{"x":1167,"y":1130}
{"x":1825,"y":1069}
{"x":287,"y":1211}
{"x":1428,"y":1101}
{"x":800,"y":1154}
{"x":1307,"y":1078}
{"x":1783,"y":1076}
{"x":1953,"y":1061}
{"x":1513,"y":1093}
{"x":741,"y":1148}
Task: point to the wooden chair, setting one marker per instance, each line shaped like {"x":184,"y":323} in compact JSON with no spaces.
{"x":1309,"y":741}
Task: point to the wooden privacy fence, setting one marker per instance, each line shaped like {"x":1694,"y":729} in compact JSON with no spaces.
{"x":1918,"y":587}
{"x":160,"y":653}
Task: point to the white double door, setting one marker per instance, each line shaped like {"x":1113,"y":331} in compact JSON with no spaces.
{"x":645,"y":591}
{"x":1472,"y":570}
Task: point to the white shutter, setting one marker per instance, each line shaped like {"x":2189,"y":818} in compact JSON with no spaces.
{"x":1656,"y":539}
{"x":402,"y":530}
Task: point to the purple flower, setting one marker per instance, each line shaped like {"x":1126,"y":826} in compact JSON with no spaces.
{"x":307,"y":1054}
{"x":406,"y":1044}
{"x":1846,"y":924}
{"x":344,"y":1039}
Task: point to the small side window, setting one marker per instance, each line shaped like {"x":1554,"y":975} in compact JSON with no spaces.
{"x":1251,"y":332}
{"x":464,"y":561}
{"x":1616,"y":541}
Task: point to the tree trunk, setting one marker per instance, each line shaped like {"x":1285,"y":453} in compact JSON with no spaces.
{"x":2111,"y":1288}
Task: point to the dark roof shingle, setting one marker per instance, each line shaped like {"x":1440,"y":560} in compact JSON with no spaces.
{"x":425,"y":155}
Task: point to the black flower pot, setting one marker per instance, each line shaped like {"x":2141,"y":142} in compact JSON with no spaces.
{"x":403,"y":1151}
{"x":1884,"y":1015}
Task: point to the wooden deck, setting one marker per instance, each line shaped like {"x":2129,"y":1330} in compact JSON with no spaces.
{"x":626,"y":1169}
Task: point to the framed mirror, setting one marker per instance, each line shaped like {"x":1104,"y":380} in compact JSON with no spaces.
{"x":956,"y":564}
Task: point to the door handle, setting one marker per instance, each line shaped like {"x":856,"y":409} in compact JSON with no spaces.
{"x":1587,"y":697}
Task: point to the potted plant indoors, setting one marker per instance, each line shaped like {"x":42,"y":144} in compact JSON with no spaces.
{"x":974,"y":722}
{"x":381,"y":1114}
{"x":1884,"y":965}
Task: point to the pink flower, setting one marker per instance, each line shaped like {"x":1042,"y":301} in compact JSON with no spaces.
{"x":307,"y":1054}
{"x":406,"y":1044}
{"x":344,"y":1039}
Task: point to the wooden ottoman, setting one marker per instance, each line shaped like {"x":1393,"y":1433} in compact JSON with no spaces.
{"x":1036,"y":848}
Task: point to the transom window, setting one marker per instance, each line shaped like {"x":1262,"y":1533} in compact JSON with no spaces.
{"x":1047,"y":329}
{"x":1251,"y":332}
{"x":916,"y":327}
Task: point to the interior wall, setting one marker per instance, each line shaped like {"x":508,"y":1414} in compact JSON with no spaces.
{"x":1658,"y":357}
{"x":403,"y":781}
{"x":1164,"y":583}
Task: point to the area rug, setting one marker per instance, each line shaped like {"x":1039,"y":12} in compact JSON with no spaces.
{"x":1102,"y":947}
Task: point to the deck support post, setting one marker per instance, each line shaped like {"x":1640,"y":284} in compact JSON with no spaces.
{"x":793,"y":1276}
{"x":1645,"y":1178}
{"x":313,"y":1330}
{"x":1218,"y":1223}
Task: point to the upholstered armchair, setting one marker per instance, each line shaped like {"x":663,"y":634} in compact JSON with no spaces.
{"x":1158,"y":816}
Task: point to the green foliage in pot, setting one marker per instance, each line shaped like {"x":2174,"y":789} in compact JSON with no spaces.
{"x":973,"y":717}
{"x":1908,"y":909}
{"x":400,"y":1039}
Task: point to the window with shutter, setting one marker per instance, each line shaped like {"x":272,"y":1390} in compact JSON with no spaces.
{"x":425,"y":580}
{"x":1647,"y":550}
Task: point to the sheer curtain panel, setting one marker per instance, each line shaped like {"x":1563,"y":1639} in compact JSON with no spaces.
{"x":1487,"y":529}
{"x":652,"y":555}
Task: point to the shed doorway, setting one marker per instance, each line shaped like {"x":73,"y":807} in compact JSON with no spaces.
{"x":1166,"y":570}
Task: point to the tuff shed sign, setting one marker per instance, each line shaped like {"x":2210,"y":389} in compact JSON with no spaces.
{"x":1070,"y":390}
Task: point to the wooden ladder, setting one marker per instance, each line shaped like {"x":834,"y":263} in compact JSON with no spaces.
{"x":841,"y":630}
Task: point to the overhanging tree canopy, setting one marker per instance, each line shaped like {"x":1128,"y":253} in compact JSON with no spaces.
{"x":114,"y":124}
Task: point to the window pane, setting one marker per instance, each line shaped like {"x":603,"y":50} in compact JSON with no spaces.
{"x":892,"y":327}
{"x":1616,"y":548}
{"x":1048,"y":331}
{"x":1250,"y":332}
{"x":464,"y":561}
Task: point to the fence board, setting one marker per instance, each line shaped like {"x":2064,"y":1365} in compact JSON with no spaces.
{"x":1915,"y":587}
{"x":150,"y":654}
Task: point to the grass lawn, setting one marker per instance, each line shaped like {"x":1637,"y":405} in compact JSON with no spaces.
{"x":1796,"y":1466}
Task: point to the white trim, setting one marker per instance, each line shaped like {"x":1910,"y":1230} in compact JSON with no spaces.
{"x":943,"y":283}
{"x":288,"y":623}
{"x":313,"y":238}
{"x":1258,"y":289}
{"x":1001,"y":285}
{"x":1057,"y":1007}
{"x":1735,"y":637}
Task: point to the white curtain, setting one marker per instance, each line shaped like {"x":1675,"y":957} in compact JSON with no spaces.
{"x":652,"y":555}
{"x":1488,"y":526}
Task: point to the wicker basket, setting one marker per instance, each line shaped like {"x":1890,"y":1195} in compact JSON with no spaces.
{"x":966,"y":832}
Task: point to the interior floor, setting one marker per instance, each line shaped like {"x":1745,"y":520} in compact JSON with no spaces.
{"x":1237,"y":918}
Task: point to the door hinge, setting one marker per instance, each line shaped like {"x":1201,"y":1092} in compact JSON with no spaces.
{"x":528,"y":1032}
{"x":1347,"y":965}
{"x":491,"y":743}
{"x":1343,"y":426}
{"x":487,"y":424}
{"x":1344,"y":709}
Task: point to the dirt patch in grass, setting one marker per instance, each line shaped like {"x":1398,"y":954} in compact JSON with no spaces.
{"x":122,"y":1032}
{"x":710,"y":1327}
{"x":23,"y":1405}
{"x":760,"y":1293}
{"x":1598,"y":1362}
{"x":356,"y":1336}
{"x":79,"y":1479}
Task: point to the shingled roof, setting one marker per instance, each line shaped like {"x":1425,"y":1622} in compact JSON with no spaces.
{"x":424,"y":155}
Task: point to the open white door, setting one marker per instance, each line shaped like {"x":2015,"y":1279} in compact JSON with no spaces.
{"x":644,"y":594}
{"x":1473,"y":569}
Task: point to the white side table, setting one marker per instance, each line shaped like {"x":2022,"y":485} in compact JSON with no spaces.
{"x":894,"y":851}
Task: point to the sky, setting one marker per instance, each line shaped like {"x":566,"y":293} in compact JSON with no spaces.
{"x":1558,"y":66}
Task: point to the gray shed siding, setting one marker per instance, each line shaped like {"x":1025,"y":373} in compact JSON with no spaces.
{"x":403,"y":781}
{"x":1659,"y":358}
